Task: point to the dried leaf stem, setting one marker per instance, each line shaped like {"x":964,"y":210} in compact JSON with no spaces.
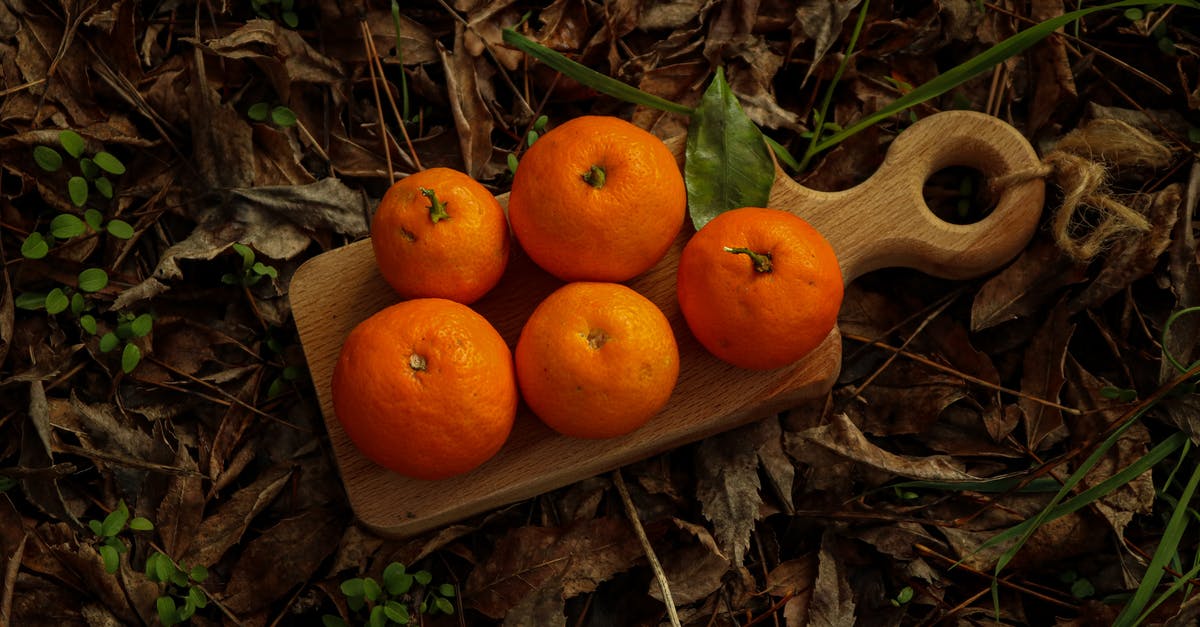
{"x":650,"y":556}
{"x":377,"y":66}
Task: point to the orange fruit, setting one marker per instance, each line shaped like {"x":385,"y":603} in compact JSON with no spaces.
{"x":596,"y":360}
{"x":426,"y":388}
{"x":759,"y":288}
{"x":440,"y":234}
{"x":597,"y":199}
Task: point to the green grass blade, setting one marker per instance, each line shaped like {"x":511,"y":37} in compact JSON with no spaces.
{"x":1171,"y":537}
{"x":837,"y":76}
{"x":1174,"y":588}
{"x":979,"y":64}
{"x":590,"y":77}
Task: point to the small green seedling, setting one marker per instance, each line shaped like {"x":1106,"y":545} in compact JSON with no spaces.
{"x":130,"y":327}
{"x":1123,"y":395}
{"x":903,"y":597}
{"x":539,"y":127}
{"x":1081,"y":587}
{"x":66,"y":298}
{"x":252,"y":271}
{"x":111,"y":547}
{"x":279,"y":115}
{"x":181,"y":593}
{"x":392,"y":603}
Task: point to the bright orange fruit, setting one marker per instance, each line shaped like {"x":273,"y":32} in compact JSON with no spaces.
{"x":597,"y":199}
{"x":439,"y":233}
{"x":596,"y":360}
{"x":426,"y":388}
{"x":759,"y":288}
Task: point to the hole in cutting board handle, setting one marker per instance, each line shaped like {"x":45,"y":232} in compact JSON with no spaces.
{"x":958,"y":194}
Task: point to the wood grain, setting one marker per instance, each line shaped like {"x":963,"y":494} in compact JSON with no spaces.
{"x":882,"y":222}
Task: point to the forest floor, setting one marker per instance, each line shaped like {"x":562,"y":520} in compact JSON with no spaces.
{"x":162,"y":449}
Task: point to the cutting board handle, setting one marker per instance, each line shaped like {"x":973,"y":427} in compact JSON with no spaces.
{"x":907,"y":233}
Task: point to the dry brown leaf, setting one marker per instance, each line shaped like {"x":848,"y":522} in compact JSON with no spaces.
{"x":778,"y":467}
{"x":1025,"y":286}
{"x":471,"y":115}
{"x":280,"y":53}
{"x":1136,"y":497}
{"x":842,"y":440}
{"x":1042,"y":377}
{"x":565,"y":25}
{"x":694,"y":570}
{"x":7,"y":315}
{"x":851,"y":163}
{"x":225,"y":527}
{"x":907,"y":398}
{"x":672,"y":14}
{"x":108,"y":433}
{"x":820,"y":21}
{"x":1054,"y":87}
{"x":1184,"y":267}
{"x":277,"y":158}
{"x":577,"y":558}
{"x":1136,"y":255}
{"x":752,"y":80}
{"x":42,"y":488}
{"x":832,"y":600}
{"x":285,"y":555}
{"x":543,"y":607}
{"x":182,"y":508}
{"x":727,"y":485}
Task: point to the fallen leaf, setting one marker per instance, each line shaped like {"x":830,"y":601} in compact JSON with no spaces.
{"x":280,"y":558}
{"x":7,"y":315}
{"x":1134,"y":498}
{"x":42,"y":489}
{"x":820,"y":21}
{"x":277,"y":159}
{"x":354,"y":550}
{"x":793,"y":579}
{"x":182,"y":508}
{"x":842,"y":440}
{"x":832,"y":598}
{"x":752,"y":78}
{"x":727,"y":487}
{"x":578,"y":558}
{"x":1042,"y":378}
{"x":116,"y":438}
{"x":545,"y":606}
{"x":672,"y":14}
{"x":1136,"y":255}
{"x":222,"y":140}
{"x":694,"y":570}
{"x":225,"y":527}
{"x":280,"y":53}
{"x":1054,"y":86}
{"x":471,"y":116}
{"x":906,"y":398}
{"x":1025,"y":286}
{"x":777,"y":466}
{"x":1184,"y":268}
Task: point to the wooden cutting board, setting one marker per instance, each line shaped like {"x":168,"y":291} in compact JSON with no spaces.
{"x":882,"y":222}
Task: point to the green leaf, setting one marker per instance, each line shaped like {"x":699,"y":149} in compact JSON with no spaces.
{"x":167,"y":612}
{"x":905,"y":595}
{"x":178,"y":577}
{"x":93,"y":279}
{"x":116,"y":544}
{"x":35,"y":246}
{"x":104,"y":186}
{"x":291,"y":373}
{"x":353,"y":588}
{"x":71,"y":142}
{"x":89,"y":168}
{"x":56,"y":301}
{"x":119,"y":229}
{"x":198,"y":574}
{"x":329,"y":620}
{"x":263,"y":269}
{"x":977,"y":65}
{"x":589,"y":77}
{"x":291,"y":19}
{"x":196,"y":596}
{"x":142,"y":325}
{"x":130,"y":357}
{"x":259,"y":111}
{"x":512,"y":163}
{"x":1082,"y":589}
{"x":378,"y":617}
{"x":276,"y":388}
{"x":88,"y":323}
{"x":77,"y":187}
{"x":66,"y":226}
{"x":109,"y":341}
{"x":355,"y":603}
{"x":539,"y":124}
{"x":247,"y":255}
{"x":30,"y":301}
{"x":531,"y":137}
{"x":94,"y":218}
{"x":727,"y":164}
{"x":109,"y":163}
{"x":115,"y":521}
{"x":188,"y":609}
{"x":141,"y":524}
{"x":96,"y":527}
{"x":392,"y":578}
{"x":397,"y":612}
{"x":442,"y":604}
{"x":446,"y":590}
{"x":112,"y":559}
{"x":423,"y":577}
{"x":47,"y":158}
{"x":77,"y":303}
{"x":283,"y":116}
{"x":371,"y":589}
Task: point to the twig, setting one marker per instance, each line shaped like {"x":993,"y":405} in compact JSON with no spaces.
{"x":958,"y":373}
{"x":127,"y":461}
{"x":383,"y":134}
{"x":232,"y":400}
{"x":641,"y":536}
{"x":937,"y":311}
{"x":373,"y":58}
{"x":924,"y":550}
{"x":10,"y":581}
